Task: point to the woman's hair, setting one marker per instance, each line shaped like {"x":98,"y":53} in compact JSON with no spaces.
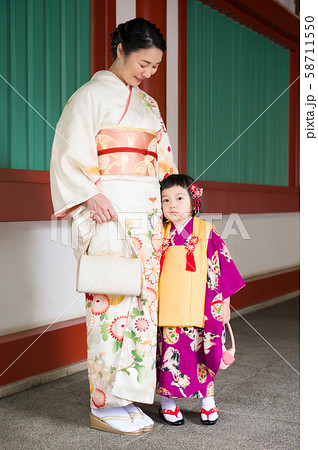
{"x":185,"y":182}
{"x":135,"y":35}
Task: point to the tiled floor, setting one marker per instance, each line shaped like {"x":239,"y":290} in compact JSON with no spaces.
{"x":258,"y":400}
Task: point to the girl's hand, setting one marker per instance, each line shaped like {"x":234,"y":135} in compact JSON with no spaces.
{"x":101,"y":208}
{"x":226,"y":311}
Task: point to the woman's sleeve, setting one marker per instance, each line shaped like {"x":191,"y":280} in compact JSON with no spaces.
{"x":223,"y":276}
{"x":166,"y":164}
{"x":74,"y":164}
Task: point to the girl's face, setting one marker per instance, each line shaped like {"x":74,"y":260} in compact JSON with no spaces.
{"x":176,"y":205}
{"x":133,"y":69}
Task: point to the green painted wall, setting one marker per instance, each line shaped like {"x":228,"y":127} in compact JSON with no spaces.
{"x":44,"y":58}
{"x":234,"y":74}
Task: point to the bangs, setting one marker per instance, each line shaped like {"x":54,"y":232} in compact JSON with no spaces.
{"x":183,"y":181}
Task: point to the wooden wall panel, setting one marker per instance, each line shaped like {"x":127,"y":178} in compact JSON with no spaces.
{"x":238,"y":113}
{"x":46,"y":48}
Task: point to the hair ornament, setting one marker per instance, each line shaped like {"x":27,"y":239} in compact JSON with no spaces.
{"x":196,"y":193}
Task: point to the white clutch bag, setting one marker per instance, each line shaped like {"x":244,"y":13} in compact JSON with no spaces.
{"x":113,"y":274}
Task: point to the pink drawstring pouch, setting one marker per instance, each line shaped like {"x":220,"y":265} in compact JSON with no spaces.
{"x":228,"y":355}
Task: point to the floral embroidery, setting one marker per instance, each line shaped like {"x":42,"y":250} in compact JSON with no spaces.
{"x":191,"y":243}
{"x":152,"y":299}
{"x":170,"y":335}
{"x":225,"y":253}
{"x":164,"y":391}
{"x":213,"y":271}
{"x":141,"y":324}
{"x":210,"y":389}
{"x":117,"y":328}
{"x":99,"y":375}
{"x":115,"y":299}
{"x":91,"y":385}
{"x":156,"y":238}
{"x":212,"y":374}
{"x":152,"y":270}
{"x":99,"y":398}
{"x":215,"y":263}
{"x":212,"y":278}
{"x":90,"y":320}
{"x":202,"y":373}
{"x":165,"y":245}
{"x":216,"y":307}
{"x":88,"y":299}
{"x":100,"y":304}
{"x":136,"y":243}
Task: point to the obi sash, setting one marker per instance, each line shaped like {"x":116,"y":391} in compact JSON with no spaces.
{"x":182,"y":292}
{"x":123,"y":151}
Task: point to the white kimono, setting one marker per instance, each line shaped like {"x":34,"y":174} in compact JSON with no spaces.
{"x":111,"y":139}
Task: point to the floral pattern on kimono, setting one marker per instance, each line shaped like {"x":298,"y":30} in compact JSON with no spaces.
{"x":189,"y":357}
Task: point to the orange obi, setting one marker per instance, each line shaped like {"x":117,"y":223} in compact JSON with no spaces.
{"x":126,"y":152}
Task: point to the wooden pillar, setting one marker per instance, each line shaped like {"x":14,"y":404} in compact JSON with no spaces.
{"x":183,"y":87}
{"x":155,"y":12}
{"x":103,"y":22}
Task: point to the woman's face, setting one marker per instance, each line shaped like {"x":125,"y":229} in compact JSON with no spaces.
{"x":133,"y":69}
{"x":176,"y":205}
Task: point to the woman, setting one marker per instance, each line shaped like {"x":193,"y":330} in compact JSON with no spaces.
{"x":109,"y":153}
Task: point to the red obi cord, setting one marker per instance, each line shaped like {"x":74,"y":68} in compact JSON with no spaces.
{"x":190,"y":246}
{"x":144,"y":151}
{"x":190,"y":267}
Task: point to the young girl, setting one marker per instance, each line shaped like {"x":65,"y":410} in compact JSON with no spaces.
{"x":198,"y":276}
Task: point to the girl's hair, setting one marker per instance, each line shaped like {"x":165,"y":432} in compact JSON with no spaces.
{"x":135,"y":35}
{"x":184,"y":181}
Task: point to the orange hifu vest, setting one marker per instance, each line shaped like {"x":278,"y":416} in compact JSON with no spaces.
{"x":182,"y":293}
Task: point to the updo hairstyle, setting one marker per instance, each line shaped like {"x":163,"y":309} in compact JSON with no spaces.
{"x":135,"y":35}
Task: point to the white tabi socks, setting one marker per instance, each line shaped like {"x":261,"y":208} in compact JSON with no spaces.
{"x":140,"y":418}
{"x":208,"y":403}
{"x":168,"y":403}
{"x":126,"y":426}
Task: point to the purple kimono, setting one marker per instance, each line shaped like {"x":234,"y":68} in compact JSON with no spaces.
{"x":189,"y":357}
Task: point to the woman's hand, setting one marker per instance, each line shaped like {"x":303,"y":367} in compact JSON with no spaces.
{"x":226,"y":311}
{"x":101,"y":208}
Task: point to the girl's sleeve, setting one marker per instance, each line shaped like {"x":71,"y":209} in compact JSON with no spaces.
{"x":74,"y":165}
{"x":223,"y":276}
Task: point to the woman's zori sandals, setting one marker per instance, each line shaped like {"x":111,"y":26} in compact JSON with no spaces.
{"x":129,"y":420}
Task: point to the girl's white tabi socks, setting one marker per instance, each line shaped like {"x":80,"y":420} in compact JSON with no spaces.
{"x":208,"y":403}
{"x":168,"y":403}
{"x":121,"y":425}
